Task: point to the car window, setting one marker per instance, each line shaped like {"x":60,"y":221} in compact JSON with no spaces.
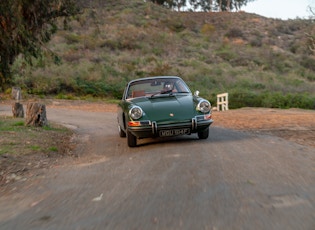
{"x":181,"y":87}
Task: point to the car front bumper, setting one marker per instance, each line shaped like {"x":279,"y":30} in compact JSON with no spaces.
{"x":147,"y":128}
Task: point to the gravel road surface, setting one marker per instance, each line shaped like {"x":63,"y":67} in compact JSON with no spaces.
{"x":232,"y":180}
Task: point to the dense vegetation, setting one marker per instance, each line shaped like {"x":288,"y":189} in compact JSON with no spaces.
{"x":258,"y":61}
{"x":25,"y":26}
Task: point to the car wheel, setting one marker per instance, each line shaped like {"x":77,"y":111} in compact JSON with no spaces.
{"x":203,"y":134}
{"x":121,"y":132}
{"x":131,"y":139}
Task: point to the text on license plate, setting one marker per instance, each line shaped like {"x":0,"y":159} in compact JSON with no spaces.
{"x":174,"y":132}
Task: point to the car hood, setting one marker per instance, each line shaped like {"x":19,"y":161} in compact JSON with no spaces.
{"x":167,"y":107}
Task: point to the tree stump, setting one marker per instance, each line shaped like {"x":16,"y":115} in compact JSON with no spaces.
{"x":36,"y":114}
{"x":16,"y":93}
{"x":17,"y":110}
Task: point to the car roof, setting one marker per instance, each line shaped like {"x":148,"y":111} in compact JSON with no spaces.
{"x":155,"y":77}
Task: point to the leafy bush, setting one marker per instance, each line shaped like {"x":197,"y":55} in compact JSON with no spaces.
{"x":234,"y":33}
{"x":207,"y":29}
{"x":280,"y":100}
{"x":243,"y":98}
{"x":246,"y":98}
{"x":226,"y":53}
{"x":174,"y":25}
{"x":72,"y":38}
{"x":308,"y":62}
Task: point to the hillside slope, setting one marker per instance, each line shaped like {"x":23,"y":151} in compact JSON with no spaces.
{"x":259,"y":61}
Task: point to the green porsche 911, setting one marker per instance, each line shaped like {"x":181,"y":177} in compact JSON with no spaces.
{"x":162,"y":106}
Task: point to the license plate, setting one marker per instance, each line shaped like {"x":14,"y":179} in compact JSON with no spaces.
{"x":174,"y":132}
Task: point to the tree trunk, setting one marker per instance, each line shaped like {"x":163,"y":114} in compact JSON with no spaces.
{"x":17,"y":110}
{"x":228,"y":6}
{"x":211,"y":5}
{"x":36,"y":115}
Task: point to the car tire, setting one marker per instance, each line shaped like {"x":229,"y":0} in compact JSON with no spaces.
{"x":131,"y":139}
{"x":121,"y":132}
{"x":203,"y":134}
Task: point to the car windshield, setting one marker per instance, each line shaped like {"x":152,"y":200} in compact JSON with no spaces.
{"x":156,"y":86}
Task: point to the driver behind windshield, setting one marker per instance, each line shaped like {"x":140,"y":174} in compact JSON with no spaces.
{"x":168,"y":87}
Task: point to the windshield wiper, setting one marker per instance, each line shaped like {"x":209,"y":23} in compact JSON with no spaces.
{"x":163,"y":92}
{"x":182,"y":92}
{"x":166,"y":91}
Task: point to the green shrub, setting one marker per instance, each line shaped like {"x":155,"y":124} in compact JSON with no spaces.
{"x":226,"y":53}
{"x":174,"y":25}
{"x":308,"y":62}
{"x":243,"y":98}
{"x":72,"y":38}
{"x":234,"y":33}
{"x":280,"y":100}
{"x":207,"y":29}
{"x":256,"y":42}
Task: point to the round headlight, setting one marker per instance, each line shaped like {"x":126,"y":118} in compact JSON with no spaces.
{"x":204,"y":106}
{"x":135,"y":112}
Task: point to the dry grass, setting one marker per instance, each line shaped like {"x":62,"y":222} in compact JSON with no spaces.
{"x":23,"y":149}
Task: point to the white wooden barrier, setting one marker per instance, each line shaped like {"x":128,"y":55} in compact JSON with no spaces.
{"x":223,"y":101}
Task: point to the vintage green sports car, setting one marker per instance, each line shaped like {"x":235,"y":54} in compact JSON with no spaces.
{"x":161,"y":106}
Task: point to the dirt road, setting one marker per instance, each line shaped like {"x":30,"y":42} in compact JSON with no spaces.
{"x":233,"y":180}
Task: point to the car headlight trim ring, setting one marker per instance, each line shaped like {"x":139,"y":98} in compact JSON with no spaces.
{"x":204,"y":106}
{"x":135,"y":112}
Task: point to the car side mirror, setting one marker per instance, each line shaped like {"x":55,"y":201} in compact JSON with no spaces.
{"x":196,"y":93}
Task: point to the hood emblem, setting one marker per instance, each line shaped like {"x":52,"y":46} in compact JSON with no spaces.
{"x":172,"y":114}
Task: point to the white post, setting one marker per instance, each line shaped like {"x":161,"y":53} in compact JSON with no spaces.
{"x":223,"y":101}
{"x":16,"y":93}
